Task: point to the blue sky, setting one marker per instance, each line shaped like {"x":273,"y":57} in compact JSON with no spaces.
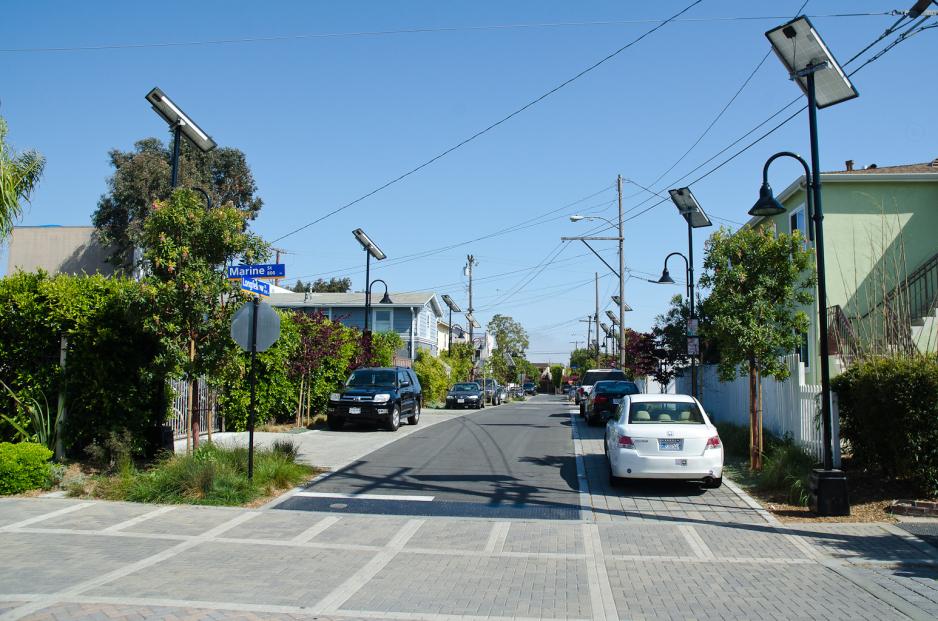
{"x":324,"y":120}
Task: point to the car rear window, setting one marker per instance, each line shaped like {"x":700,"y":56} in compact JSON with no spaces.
{"x":625,"y":388}
{"x":592,"y":377}
{"x":465,"y":387}
{"x":665,"y":413}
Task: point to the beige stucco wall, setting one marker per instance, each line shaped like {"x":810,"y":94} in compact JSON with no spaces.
{"x":57,"y":249}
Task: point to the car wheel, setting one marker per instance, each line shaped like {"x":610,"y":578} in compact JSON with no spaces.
{"x":394,"y":419}
{"x":414,"y":418}
{"x":335,"y":423}
{"x":714,"y":483}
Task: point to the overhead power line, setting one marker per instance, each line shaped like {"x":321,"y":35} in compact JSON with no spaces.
{"x":403,"y":31}
{"x":493,"y":125}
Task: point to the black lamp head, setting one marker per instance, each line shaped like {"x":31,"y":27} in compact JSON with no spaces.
{"x":386,"y":299}
{"x":665,"y":278}
{"x":766,"y":205}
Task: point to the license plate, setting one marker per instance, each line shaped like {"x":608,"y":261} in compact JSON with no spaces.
{"x":670,"y":444}
{"x":354,"y":410}
{"x":460,"y":400}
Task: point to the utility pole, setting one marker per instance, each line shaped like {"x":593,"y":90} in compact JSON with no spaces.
{"x":621,"y":277}
{"x":470,"y":262}
{"x":596,"y":319}
{"x":278,"y":251}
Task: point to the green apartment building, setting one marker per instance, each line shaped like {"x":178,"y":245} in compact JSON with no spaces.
{"x":881,"y":255}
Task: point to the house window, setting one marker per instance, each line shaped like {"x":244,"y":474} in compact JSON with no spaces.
{"x":382,"y":321}
{"x":802,"y":351}
{"x":796,"y":222}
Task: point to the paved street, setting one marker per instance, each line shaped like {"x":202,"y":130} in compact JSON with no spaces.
{"x":643,"y":552}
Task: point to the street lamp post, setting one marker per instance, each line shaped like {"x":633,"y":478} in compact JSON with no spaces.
{"x":667,"y":280}
{"x":808,"y":61}
{"x":690,"y":209}
{"x":180,"y":124}
{"x":452,"y":307}
{"x":620,"y":273}
{"x":372,"y":250}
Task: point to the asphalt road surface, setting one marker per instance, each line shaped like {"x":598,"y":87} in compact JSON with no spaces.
{"x":513,"y":461}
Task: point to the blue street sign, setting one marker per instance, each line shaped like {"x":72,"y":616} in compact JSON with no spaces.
{"x":255,"y":286}
{"x":263,"y":270}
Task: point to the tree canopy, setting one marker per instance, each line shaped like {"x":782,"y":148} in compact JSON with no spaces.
{"x":19,"y":176}
{"x":758,"y":282}
{"x":333,"y":285}
{"x":142,"y":177}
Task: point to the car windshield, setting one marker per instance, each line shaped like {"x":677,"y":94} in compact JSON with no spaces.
{"x":471,"y":387}
{"x":372,"y":377}
{"x":592,"y":377}
{"x":665,"y":412}
{"x":623,"y":388}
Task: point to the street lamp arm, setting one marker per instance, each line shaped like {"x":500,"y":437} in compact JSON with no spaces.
{"x":809,"y":181}
{"x":686,"y":262}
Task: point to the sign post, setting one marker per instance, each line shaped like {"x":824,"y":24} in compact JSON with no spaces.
{"x":255,"y":327}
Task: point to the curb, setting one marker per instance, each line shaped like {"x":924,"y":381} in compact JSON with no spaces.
{"x":752,"y":503}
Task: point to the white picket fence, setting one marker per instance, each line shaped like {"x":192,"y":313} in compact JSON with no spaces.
{"x":204,"y":405}
{"x":788,"y":408}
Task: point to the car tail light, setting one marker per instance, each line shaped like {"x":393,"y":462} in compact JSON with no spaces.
{"x":600,"y":399}
{"x":713,"y":442}
{"x":626,"y":442}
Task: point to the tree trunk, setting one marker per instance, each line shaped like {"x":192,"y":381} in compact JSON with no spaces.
{"x":193,"y":382}
{"x":755,"y":418}
{"x":309,"y":401}
{"x":299,"y":402}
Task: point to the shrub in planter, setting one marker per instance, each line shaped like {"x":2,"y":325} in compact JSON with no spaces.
{"x":23,"y":466}
{"x":889,"y":414}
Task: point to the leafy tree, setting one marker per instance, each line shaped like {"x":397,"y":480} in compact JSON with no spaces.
{"x":640,"y":355}
{"x":581,"y":360}
{"x":142,"y":177}
{"x":509,"y":335}
{"x":321,"y":361}
{"x":556,"y":376}
{"x":434,"y":379}
{"x":333,"y":285}
{"x":459,"y":360}
{"x":19,"y":176}
{"x":758,"y":282}
{"x":185,"y":246}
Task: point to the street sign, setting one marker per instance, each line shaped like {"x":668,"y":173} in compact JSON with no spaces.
{"x":255,"y":286}
{"x":268,"y":326}
{"x":692,"y":326}
{"x":261,"y":270}
{"x":693,"y":346}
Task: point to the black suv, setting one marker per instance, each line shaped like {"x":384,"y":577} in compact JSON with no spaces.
{"x":378,"y":395}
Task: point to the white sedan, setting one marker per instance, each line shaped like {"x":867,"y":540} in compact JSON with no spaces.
{"x":663,"y":437}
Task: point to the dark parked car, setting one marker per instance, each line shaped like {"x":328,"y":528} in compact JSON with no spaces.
{"x":377,"y":395}
{"x":530,"y":388}
{"x":491,"y":391}
{"x":591,"y":377}
{"x":517,"y":392}
{"x":604,"y":399}
{"x":465,"y":395}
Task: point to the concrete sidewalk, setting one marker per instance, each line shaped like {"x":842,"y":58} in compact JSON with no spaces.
{"x":70,"y":559}
{"x":631,"y":556}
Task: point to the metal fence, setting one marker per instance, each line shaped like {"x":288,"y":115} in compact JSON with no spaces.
{"x":790,"y":407}
{"x":204,"y":405}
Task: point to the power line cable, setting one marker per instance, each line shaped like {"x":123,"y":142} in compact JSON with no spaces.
{"x":403,"y":31}
{"x":493,"y":125}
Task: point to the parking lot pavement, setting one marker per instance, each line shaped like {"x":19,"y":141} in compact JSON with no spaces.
{"x":70,"y":559}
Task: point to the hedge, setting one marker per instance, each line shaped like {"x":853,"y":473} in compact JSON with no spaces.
{"x":889,"y":414}
{"x":23,"y":466}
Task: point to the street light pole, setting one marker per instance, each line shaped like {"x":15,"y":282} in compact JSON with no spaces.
{"x":689,"y":274}
{"x":177,"y":136}
{"x":621,"y":277}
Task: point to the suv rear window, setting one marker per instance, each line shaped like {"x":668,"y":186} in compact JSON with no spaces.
{"x":628,"y":388}
{"x":592,"y":377}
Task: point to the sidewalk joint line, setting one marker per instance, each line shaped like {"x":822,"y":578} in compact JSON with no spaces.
{"x":137,"y":520}
{"x":497,"y":538}
{"x":46,"y":516}
{"x":315,"y":529}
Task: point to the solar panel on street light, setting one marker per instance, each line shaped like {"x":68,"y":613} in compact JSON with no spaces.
{"x":368,"y":245}
{"x":171,"y":113}
{"x":800,"y":48}
{"x":450,"y":303}
{"x":612,"y":317}
{"x":688,"y":206}
{"x":625,"y":307}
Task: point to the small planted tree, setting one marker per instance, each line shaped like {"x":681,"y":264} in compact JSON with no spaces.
{"x":758,"y":282}
{"x":186,"y":249}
